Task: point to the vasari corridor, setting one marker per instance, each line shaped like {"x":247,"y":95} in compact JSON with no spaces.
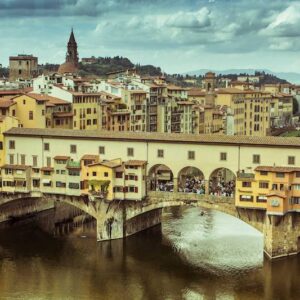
{"x":149,"y":150}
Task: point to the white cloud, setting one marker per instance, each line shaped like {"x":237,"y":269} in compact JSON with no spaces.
{"x":198,"y":19}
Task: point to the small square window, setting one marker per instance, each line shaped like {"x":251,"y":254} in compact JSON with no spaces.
{"x":160,"y":153}
{"x":73,"y":148}
{"x":46,"y":146}
{"x":291,"y":160}
{"x":223,"y":156}
{"x":256,"y":159}
{"x":191,"y":155}
{"x":130,"y":152}
{"x":12,"y":145}
{"x":101,"y":150}
{"x":105,"y":174}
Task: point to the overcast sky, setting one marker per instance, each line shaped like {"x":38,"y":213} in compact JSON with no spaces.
{"x":178,"y":35}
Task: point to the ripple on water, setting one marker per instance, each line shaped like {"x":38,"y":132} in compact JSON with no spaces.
{"x":214,"y":241}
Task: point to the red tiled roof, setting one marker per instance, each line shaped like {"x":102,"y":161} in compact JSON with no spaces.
{"x":61,"y":157}
{"x":278,"y":169}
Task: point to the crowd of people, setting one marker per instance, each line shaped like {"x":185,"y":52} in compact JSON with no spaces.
{"x":222,"y":188}
{"x":162,"y":186}
{"x":196,"y":184}
{"x":193,"y":184}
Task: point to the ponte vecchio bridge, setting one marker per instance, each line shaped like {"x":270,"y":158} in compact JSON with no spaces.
{"x":35,"y":158}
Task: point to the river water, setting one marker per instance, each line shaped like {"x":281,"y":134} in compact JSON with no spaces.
{"x":193,"y":256}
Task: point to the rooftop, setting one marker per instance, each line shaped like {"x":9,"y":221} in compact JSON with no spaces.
{"x":277,"y":169}
{"x":270,"y":141}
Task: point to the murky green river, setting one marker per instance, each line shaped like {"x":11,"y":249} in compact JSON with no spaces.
{"x":213,"y":256}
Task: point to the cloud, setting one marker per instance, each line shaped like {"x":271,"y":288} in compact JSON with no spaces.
{"x":151,"y":30}
{"x":198,"y":19}
{"x":284,"y":24}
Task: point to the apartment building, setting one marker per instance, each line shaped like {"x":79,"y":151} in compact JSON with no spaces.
{"x":271,"y":188}
{"x":208,"y":120}
{"x":250,"y":110}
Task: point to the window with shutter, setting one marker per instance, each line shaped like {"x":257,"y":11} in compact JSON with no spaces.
{"x":136,"y":178}
{"x":126,"y":177}
{"x":136,"y":189}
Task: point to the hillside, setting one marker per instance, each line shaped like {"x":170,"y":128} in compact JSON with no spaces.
{"x":272,"y":77}
{"x":105,"y":65}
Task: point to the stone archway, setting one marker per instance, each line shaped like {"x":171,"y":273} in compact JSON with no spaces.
{"x":222,"y":182}
{"x":160,"y":178}
{"x":191,"y":180}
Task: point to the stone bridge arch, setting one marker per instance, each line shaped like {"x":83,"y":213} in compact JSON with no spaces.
{"x":160,"y":178}
{"x":191,"y":180}
{"x":222,"y":182}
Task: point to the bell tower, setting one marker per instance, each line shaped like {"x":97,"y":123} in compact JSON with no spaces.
{"x":72,"y":54}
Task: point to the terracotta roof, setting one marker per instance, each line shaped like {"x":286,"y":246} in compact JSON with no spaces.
{"x":67,"y":67}
{"x":6,"y":103}
{"x":271,"y":141}
{"x":278,"y":194}
{"x":277,"y":169}
{"x":176,"y":88}
{"x":135,"y":163}
{"x":47,"y":169}
{"x":56,"y":101}
{"x":58,"y":157}
{"x":11,"y":92}
{"x":196,"y":92}
{"x":38,"y":97}
{"x":90,"y":157}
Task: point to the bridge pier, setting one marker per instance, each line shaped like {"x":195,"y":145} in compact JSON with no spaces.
{"x":125,"y":221}
{"x":281,"y":235}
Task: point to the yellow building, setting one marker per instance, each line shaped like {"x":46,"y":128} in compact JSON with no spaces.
{"x":275,"y":189}
{"x":87,"y":113}
{"x":117,"y":180}
{"x":86,"y":161}
{"x":6,"y":122}
{"x":16,"y":178}
{"x":208,"y":119}
{"x":31,"y":110}
{"x":250,"y":110}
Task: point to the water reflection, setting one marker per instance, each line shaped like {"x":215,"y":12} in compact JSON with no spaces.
{"x":209,"y":256}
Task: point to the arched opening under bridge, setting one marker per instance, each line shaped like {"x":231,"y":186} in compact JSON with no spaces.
{"x":191,"y":180}
{"x":161,"y":178}
{"x":222,"y":182}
